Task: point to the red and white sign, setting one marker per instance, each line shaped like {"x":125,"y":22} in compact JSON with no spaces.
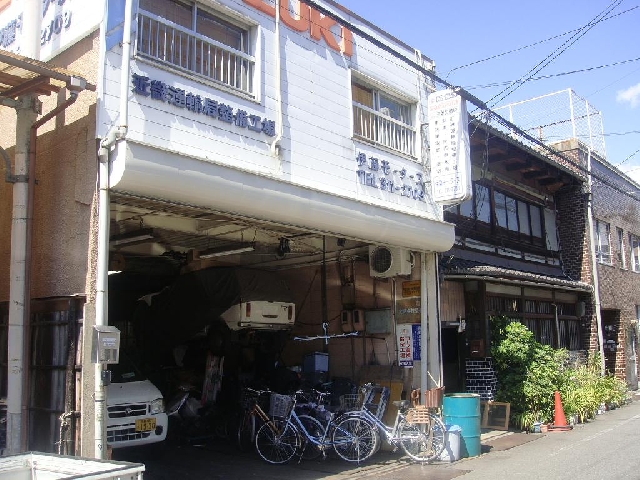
{"x":404,"y":335}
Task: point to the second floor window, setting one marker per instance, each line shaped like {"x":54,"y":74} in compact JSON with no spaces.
{"x":601,"y":240}
{"x":512,"y":217}
{"x":197,"y":41}
{"x":382,"y":119}
{"x":634,"y":246}
{"x":622,"y":256}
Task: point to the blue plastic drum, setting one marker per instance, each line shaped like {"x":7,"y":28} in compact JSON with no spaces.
{"x":463,"y":409}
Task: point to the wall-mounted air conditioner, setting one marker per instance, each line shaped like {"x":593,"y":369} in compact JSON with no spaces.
{"x":387,"y":262}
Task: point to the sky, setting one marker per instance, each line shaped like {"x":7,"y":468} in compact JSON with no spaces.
{"x":545,"y":38}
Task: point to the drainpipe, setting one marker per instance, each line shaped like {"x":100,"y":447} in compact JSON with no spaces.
{"x":26,"y":114}
{"x":18,"y":291}
{"x":275,"y":145}
{"x":76,"y":85}
{"x":424,"y":325}
{"x":115,"y":134}
{"x":594,"y":266}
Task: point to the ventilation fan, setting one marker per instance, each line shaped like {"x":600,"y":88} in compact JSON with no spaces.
{"x":388,"y":261}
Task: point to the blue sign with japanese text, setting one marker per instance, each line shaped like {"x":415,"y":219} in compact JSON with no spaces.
{"x":158,"y":90}
{"x":416,"y":337}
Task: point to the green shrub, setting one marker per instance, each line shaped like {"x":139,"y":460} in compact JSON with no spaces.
{"x":530,"y":373}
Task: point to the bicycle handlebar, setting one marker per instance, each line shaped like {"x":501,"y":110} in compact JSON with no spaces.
{"x":253,"y":390}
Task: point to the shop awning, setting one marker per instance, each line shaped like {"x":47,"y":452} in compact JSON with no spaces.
{"x":452,"y":268}
{"x":144,"y":171}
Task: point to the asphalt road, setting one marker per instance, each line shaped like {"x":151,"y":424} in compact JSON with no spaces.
{"x":605,"y":448}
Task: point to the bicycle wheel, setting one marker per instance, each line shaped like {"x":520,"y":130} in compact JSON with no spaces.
{"x":315,"y":429}
{"x":354,"y":439}
{"x":422,"y":442}
{"x":246,"y":432}
{"x":277,"y":441}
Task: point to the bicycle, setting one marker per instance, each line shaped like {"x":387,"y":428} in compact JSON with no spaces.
{"x":251,"y":415}
{"x":417,"y":430}
{"x":353,"y":439}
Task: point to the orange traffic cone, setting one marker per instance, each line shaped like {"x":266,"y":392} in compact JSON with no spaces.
{"x":559,"y":420}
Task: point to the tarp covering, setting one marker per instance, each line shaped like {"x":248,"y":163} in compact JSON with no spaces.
{"x":196,"y":299}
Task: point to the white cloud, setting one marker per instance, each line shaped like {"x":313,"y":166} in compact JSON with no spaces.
{"x":631,"y":96}
{"x":634,"y":174}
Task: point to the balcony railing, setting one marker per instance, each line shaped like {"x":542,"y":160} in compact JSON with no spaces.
{"x":371,"y":125}
{"x":171,"y":44}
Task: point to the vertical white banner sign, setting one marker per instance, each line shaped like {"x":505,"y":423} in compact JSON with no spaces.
{"x":404,"y":335}
{"x":449,"y":147}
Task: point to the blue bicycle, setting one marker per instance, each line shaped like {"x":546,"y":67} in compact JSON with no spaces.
{"x":277,"y":441}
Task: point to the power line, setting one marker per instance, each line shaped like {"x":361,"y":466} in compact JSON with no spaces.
{"x":544,"y":77}
{"x":614,"y":82}
{"x":620,"y":133}
{"x":628,"y":158}
{"x":553,"y":55}
{"x":462,"y":92}
{"x":459,"y":90}
{"x":515,"y":50}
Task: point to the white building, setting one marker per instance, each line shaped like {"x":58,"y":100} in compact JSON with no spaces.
{"x":232,"y":125}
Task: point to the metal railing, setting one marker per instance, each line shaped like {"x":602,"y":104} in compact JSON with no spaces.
{"x":164,"y":41}
{"x":371,"y":125}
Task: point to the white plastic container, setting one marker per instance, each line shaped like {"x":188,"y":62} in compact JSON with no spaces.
{"x":451,"y":451}
{"x":47,"y":466}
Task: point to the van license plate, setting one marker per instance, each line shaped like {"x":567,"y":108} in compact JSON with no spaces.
{"x":145,"y":424}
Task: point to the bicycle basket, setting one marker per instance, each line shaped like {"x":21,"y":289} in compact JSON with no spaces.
{"x":280,"y":405}
{"x":419,"y":414}
{"x":248,"y":398}
{"x":350,"y":401}
{"x":433,"y":397}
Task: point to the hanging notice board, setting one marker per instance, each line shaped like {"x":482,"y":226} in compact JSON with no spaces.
{"x":378,"y":321}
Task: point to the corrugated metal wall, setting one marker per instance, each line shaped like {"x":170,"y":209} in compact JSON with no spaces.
{"x":54,"y":345}
{"x":53,"y":372}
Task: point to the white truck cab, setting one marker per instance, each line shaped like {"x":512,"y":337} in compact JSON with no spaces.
{"x":135,"y":408}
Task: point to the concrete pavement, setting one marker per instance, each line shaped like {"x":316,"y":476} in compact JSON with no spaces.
{"x":220,"y":459}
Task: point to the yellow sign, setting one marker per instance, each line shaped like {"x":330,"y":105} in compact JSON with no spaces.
{"x":411,"y":289}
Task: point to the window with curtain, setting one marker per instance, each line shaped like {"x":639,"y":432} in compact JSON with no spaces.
{"x":518,"y":219}
{"x":539,"y":317}
{"x":601,"y":241}
{"x":634,"y":247}
{"x":622,"y":256}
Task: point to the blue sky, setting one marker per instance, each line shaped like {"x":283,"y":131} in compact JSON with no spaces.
{"x":455,"y":34}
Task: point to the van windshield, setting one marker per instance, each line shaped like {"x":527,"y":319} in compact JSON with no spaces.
{"x":125,"y":370}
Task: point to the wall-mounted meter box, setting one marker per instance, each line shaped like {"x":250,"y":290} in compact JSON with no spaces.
{"x":105,"y":344}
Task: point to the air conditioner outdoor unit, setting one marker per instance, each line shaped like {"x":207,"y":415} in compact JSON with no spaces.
{"x":387,"y":262}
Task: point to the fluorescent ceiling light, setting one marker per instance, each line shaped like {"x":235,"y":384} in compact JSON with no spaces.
{"x":227,"y":250}
{"x":129,"y":238}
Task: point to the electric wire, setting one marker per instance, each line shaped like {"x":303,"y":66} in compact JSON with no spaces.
{"x":553,"y":55}
{"x":515,"y":50}
{"x":489,"y":114}
{"x":621,"y":133}
{"x":628,"y":158}
{"x":561,"y":74}
{"x":412,"y":66}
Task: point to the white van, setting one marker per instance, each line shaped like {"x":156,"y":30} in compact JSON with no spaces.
{"x":244,"y":298}
{"x":260,"y":315}
{"x":135,"y":408}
